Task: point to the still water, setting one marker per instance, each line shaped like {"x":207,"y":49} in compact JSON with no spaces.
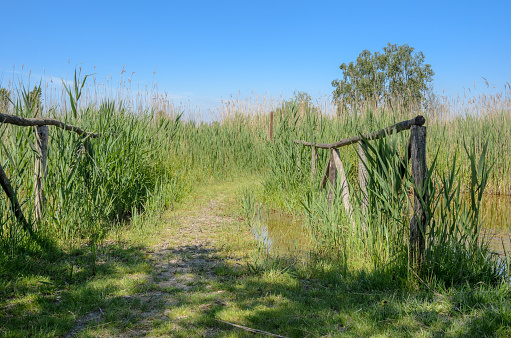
{"x":282,"y":234}
{"x":496,"y":213}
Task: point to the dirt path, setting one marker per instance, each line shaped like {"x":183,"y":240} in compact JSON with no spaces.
{"x":185,"y":260}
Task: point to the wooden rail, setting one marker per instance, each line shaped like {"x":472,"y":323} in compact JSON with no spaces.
{"x":33,"y":122}
{"x":405,"y":125}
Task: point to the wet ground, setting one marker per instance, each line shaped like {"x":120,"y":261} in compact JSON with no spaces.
{"x":282,"y":234}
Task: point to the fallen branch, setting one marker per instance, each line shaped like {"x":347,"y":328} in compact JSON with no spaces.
{"x":30,"y":122}
{"x":249,"y":329}
{"x":9,"y":191}
{"x":417,"y":121}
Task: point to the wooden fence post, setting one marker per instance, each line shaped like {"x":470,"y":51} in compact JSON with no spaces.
{"x":345,"y":191}
{"x":326,"y":175}
{"x":40,"y":171}
{"x":335,"y":170}
{"x":298,"y":159}
{"x":362,"y":179}
{"x":419,"y":174}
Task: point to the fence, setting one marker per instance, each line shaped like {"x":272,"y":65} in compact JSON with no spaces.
{"x":417,"y":155}
{"x":41,"y":131}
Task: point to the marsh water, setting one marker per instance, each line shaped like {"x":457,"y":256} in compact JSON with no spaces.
{"x":496,"y":212}
{"x":282,"y":234}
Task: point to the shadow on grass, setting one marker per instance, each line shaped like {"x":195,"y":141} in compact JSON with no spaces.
{"x":201,"y":287}
{"x":45,"y":291}
{"x":278,"y":302}
{"x":187,"y":291}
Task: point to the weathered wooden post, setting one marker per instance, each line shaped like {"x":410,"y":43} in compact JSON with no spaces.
{"x":419,"y":174}
{"x":335,"y":170}
{"x":40,"y":171}
{"x":298,"y":159}
{"x":362,"y":179}
{"x":326,"y":175}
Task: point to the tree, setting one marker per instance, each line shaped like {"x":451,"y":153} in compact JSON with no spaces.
{"x":397,"y":76}
{"x":301,"y":101}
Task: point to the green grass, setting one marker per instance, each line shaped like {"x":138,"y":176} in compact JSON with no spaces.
{"x":285,"y":296}
{"x":47,"y":295}
{"x":282,"y":303}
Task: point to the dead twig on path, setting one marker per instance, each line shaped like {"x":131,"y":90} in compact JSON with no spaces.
{"x":249,"y":329}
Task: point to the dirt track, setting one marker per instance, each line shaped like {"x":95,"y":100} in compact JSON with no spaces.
{"x":185,"y":257}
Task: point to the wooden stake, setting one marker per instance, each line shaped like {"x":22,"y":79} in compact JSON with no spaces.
{"x":41,"y":145}
{"x":345,"y":191}
{"x":419,"y":174}
{"x":332,"y":178}
{"x":326,"y":175}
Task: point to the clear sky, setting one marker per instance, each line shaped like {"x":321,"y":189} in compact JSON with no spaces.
{"x":204,"y":51}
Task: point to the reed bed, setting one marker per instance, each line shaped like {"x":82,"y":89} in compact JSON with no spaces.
{"x":150,"y":155}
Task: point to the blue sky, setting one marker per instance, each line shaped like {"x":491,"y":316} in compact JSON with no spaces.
{"x":204,"y":51}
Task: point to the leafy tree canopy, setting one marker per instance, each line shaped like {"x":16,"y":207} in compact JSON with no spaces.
{"x":398,"y":75}
{"x":301,"y":101}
